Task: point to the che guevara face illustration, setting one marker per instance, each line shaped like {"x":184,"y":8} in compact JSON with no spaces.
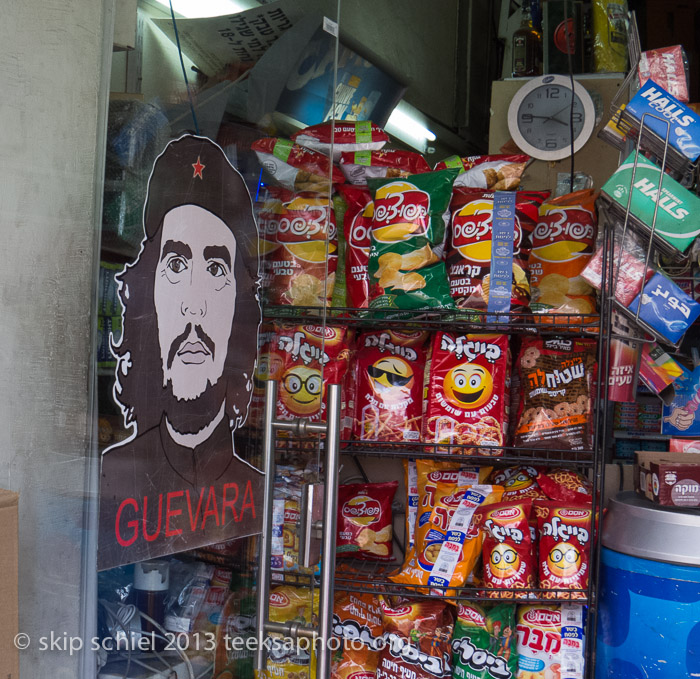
{"x":194,"y":296}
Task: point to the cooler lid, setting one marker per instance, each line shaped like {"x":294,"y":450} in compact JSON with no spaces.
{"x":636,"y":526}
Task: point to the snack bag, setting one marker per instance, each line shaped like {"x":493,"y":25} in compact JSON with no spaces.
{"x":484,"y":642}
{"x":562,"y":245}
{"x":467,"y":392}
{"x":311,"y":358}
{"x":389,"y":379}
{"x":565,"y":486}
{"x":557,"y":378}
{"x":340,"y":293}
{"x":348,"y":136}
{"x":268,"y":216}
{"x":365,"y":520}
{"x":610,"y":25}
{"x":359,"y":166}
{"x":357,"y":227}
{"x":416,"y":640}
{"x":519,"y":483}
{"x":564,"y":548}
{"x":469,"y":246}
{"x":408,"y":227}
{"x":507,"y":549}
{"x":294,"y":167}
{"x":357,"y":621}
{"x":495,"y":173}
{"x":411,"y":484}
{"x":541,"y":653}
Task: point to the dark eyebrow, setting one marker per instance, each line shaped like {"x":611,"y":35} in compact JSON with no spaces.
{"x":177,"y":248}
{"x":218,"y":252}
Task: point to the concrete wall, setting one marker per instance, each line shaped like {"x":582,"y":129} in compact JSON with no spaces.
{"x":51,"y":108}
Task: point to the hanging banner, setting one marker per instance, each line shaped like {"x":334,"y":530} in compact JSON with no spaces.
{"x":185,"y":364}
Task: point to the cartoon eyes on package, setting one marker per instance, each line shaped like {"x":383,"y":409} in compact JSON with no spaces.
{"x":519,"y":483}
{"x":389,"y":381}
{"x":365,"y":520}
{"x":408,"y":233}
{"x":467,"y":395}
{"x":484,"y":642}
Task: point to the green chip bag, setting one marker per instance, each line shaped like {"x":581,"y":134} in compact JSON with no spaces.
{"x":408,"y":229}
{"x":484,"y":642}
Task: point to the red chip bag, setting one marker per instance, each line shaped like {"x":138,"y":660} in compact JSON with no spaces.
{"x":519,"y":483}
{"x":365,"y":520}
{"x":359,"y":166}
{"x":467,"y":392}
{"x":357,"y":227}
{"x":564,"y":548}
{"x":469,"y":246}
{"x":348,"y":135}
{"x":495,"y":173}
{"x":389,"y":370}
{"x":507,"y":550}
{"x":565,"y":485}
{"x":269,"y":215}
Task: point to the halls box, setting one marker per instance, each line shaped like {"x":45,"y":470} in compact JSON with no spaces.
{"x":671,"y":479}
{"x":9,"y":584}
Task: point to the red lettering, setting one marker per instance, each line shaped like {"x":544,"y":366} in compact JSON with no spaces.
{"x":248,"y":502}
{"x":152,"y":536}
{"x":210,"y":510}
{"x":168,"y":513}
{"x":229,"y":503}
{"x":131,"y":524}
{"x":194,"y":520}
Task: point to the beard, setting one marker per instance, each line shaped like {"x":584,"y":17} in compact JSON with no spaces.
{"x":191,"y":416}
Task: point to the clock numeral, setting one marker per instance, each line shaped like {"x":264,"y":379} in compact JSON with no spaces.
{"x":577,"y":117}
{"x":526,"y":117}
{"x":552,"y":93}
{"x":550,"y":143}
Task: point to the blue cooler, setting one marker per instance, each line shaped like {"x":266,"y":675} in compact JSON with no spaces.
{"x":649,"y":623}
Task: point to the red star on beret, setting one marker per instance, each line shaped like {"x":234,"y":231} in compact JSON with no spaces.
{"x":198,"y":167}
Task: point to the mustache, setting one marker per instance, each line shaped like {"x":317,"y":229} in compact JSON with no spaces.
{"x":177,"y":342}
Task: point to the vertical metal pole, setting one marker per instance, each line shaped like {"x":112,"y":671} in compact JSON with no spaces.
{"x":266,"y":537}
{"x":323,"y":648}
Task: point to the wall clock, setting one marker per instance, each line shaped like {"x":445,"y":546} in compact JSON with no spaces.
{"x":539,"y":117}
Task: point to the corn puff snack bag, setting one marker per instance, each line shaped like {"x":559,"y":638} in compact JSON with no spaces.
{"x":359,"y":166}
{"x":407,"y":229}
{"x":484,"y":642}
{"x":468,"y":392}
{"x":357,"y":621}
{"x":389,"y":369}
{"x":520,"y":483}
{"x":365,"y":520}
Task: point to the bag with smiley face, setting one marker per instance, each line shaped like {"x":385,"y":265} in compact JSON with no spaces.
{"x":468,"y":393}
{"x":389,"y":369}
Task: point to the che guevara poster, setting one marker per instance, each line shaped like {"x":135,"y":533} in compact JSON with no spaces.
{"x":185,"y":364}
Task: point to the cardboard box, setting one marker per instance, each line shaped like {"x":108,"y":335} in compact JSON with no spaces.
{"x":671,"y":479}
{"x":9,"y":584}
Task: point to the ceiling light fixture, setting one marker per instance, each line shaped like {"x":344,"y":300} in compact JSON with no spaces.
{"x":197,"y":9}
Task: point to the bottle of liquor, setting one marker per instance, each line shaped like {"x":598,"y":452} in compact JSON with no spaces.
{"x":527,"y":46}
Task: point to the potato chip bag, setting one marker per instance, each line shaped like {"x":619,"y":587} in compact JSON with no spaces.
{"x":495,"y":173}
{"x":565,"y":485}
{"x":407,"y":228}
{"x":389,"y":369}
{"x":348,"y":136}
{"x":357,"y":227}
{"x":416,"y":640}
{"x":469,"y":246}
{"x":302,"y":270}
{"x":467,"y":393}
{"x":507,"y":549}
{"x":365,"y":521}
{"x":557,"y":378}
{"x":310,"y":358}
{"x":359,"y":166}
{"x":294,"y":167}
{"x":484,"y":642}
{"x":541,"y":652}
{"x":268,"y":217}
{"x":563,"y":243}
{"x":564,"y":548}
{"x":519,"y":482}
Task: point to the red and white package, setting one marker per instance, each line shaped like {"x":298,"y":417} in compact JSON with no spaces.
{"x":468,"y":392}
{"x":495,"y":173}
{"x":564,"y":548}
{"x":349,"y":135}
{"x":359,"y":166}
{"x":667,"y":67}
{"x":389,"y":369}
{"x":520,"y":483}
{"x":301,"y":271}
{"x":507,"y":549}
{"x":307,"y":358}
{"x":469,"y":246}
{"x":357,"y":228}
{"x":294,"y":167}
{"x":365,"y":520}
{"x":565,"y":485}
{"x":684,"y":446}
